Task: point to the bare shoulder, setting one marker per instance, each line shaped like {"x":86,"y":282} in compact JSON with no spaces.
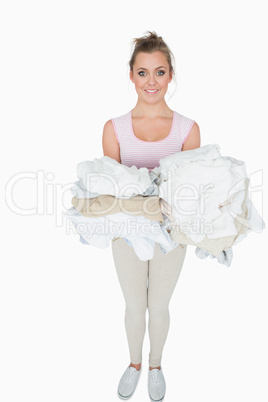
{"x":108,"y":129}
{"x":193,"y":139}
{"x":110,"y":143}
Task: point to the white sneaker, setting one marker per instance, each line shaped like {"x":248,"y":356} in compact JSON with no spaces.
{"x":156,"y":385}
{"x":128,"y":382}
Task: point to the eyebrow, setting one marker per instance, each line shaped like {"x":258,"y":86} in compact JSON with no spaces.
{"x":142,"y":68}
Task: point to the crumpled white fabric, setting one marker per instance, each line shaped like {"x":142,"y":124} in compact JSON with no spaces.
{"x":254,"y":221}
{"x":181,"y":159}
{"x":225,"y":257}
{"x":79,"y":190}
{"x":107,"y":176}
{"x":141,"y":232}
{"x":215,"y":187}
{"x":202,"y":191}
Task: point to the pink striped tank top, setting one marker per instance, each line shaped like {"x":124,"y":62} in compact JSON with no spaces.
{"x":140,"y":153}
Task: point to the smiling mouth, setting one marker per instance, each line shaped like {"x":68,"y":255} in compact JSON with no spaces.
{"x":153,"y":91}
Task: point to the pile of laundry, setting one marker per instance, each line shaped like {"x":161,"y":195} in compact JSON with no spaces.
{"x":195,"y":197}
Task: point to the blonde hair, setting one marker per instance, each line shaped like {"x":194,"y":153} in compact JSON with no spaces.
{"x":149,"y":44}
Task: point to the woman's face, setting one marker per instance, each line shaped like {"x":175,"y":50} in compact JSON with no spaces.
{"x":151,"y":76}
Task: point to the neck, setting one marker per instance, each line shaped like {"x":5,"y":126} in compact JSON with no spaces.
{"x":147,"y":110}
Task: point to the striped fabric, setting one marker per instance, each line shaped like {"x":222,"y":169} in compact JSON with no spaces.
{"x":134,"y":151}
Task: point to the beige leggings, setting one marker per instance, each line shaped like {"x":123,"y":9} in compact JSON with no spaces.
{"x":161,"y":274}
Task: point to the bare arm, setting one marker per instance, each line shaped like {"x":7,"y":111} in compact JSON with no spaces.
{"x":193,"y":139}
{"x":109,"y":142}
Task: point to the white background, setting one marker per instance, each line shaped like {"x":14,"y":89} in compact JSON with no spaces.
{"x":64,"y":73}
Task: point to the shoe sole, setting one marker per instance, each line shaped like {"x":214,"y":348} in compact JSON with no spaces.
{"x":157,"y":400}
{"x":125,"y":397}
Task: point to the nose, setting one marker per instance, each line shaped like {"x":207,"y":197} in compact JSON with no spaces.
{"x":151,"y":79}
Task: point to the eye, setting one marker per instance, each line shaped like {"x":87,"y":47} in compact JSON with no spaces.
{"x":142,"y":73}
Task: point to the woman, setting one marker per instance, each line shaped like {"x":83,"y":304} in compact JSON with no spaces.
{"x":142,"y":137}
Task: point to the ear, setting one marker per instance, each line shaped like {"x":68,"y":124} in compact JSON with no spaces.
{"x":170,"y":77}
{"x":131,"y":75}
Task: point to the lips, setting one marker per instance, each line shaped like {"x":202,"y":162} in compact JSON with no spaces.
{"x":151,"y":91}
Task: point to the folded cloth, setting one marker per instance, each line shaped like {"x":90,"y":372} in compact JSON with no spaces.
{"x":225,"y":257}
{"x":199,"y":196}
{"x":216,"y":245}
{"x":200,"y":187}
{"x":173,"y":244}
{"x":149,"y":207}
{"x":179,"y":160}
{"x":143,"y":246}
{"x":107,"y":176}
{"x":141,"y":232}
{"x":153,"y":188}
{"x":79,"y":190}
